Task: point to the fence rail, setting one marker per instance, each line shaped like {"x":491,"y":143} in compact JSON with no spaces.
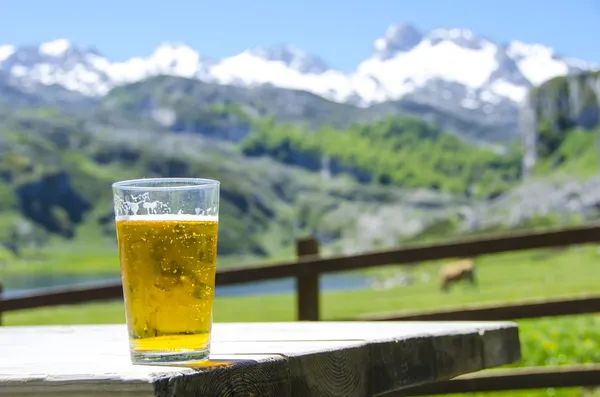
{"x":62,"y":296}
{"x":500,"y":312}
{"x":460,"y":248}
{"x":513,"y":379}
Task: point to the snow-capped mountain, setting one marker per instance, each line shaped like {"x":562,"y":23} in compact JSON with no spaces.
{"x":444,"y":67}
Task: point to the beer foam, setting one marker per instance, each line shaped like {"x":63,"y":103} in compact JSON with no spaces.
{"x":168,"y":217}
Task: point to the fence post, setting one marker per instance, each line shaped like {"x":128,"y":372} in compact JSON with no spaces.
{"x":307,"y":287}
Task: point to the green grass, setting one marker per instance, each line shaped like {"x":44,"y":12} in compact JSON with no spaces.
{"x":549,"y":392}
{"x":576,"y":157}
{"x":560,"y":340}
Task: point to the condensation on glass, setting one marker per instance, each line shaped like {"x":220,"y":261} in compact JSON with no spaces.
{"x":167,"y":238}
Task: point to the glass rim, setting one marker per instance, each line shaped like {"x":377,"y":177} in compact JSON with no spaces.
{"x":154,"y":184}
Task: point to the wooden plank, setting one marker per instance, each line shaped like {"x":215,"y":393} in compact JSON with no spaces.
{"x":427,"y":350}
{"x":56,"y":359}
{"x":317,"y":368}
{"x":345,"y":331}
{"x":62,"y":296}
{"x":271,"y":359}
{"x":307,"y":287}
{"x":427,"y":360}
{"x":513,"y":379}
{"x":87,"y":388}
{"x":337,"y":372}
{"x":532,"y":308}
{"x":264,"y":377}
{"x":256,"y":375}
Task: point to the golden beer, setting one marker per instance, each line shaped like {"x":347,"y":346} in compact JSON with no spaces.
{"x":168,"y":265}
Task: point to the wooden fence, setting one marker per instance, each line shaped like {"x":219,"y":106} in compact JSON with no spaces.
{"x":309,"y":266}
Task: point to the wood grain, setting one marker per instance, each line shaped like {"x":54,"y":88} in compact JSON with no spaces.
{"x":251,"y":359}
{"x":268,"y":378}
{"x":404,"y":363}
{"x":336,"y":372}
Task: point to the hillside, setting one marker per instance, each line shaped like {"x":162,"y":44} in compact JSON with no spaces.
{"x":355,"y":183}
{"x":405,"y":152}
{"x":55,"y":176}
{"x":280,"y":179}
{"x":560,"y":132}
{"x":556,"y":108}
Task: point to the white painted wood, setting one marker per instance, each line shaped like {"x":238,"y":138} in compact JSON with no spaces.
{"x":346,"y":330}
{"x":272,"y":359}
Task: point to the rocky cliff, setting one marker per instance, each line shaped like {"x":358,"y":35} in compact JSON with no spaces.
{"x":558,"y":105}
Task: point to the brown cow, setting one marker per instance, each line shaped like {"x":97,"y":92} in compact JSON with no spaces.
{"x":463,"y":269}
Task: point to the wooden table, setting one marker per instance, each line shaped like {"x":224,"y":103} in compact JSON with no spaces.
{"x":301,"y":359}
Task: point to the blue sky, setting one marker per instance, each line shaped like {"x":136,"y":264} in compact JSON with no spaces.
{"x":342,"y":32}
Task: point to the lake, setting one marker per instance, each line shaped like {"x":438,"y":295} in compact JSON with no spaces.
{"x":329,"y":282}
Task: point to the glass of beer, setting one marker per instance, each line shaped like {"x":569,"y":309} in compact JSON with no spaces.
{"x":167,"y":238}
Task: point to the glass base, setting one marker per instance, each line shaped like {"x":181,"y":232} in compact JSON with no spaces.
{"x":165,"y":358}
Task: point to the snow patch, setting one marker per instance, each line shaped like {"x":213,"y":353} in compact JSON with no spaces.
{"x":55,"y":48}
{"x":6,"y":51}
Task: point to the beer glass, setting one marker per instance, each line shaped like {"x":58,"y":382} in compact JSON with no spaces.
{"x":167,"y":238}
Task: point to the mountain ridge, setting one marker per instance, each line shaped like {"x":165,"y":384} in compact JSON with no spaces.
{"x":181,"y":98}
{"x":404,"y":61}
